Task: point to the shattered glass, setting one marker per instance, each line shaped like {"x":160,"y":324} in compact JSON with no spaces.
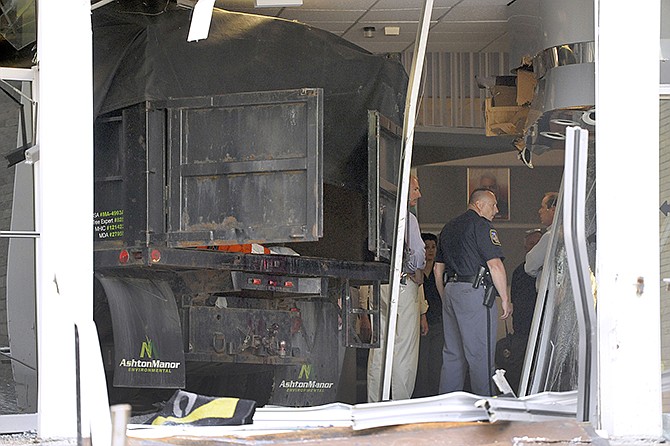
{"x":18,"y":24}
{"x":558,"y":336}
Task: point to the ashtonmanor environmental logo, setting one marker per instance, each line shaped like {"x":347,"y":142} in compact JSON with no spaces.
{"x":304,"y":383}
{"x":148,"y":361}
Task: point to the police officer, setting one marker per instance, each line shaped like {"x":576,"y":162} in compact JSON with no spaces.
{"x":467,"y":243}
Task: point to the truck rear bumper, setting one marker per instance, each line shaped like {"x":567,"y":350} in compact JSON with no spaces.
{"x":179,"y":258}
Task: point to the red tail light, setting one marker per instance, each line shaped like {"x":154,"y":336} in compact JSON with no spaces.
{"x":155,"y":256}
{"x":124,"y":256}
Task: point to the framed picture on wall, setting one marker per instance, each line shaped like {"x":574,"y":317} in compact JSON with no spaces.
{"x":496,"y":179}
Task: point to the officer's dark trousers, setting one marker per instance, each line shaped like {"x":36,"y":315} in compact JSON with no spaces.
{"x":469,"y":339}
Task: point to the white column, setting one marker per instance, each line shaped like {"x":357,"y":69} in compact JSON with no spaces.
{"x":64,"y":205}
{"x":627,"y":176}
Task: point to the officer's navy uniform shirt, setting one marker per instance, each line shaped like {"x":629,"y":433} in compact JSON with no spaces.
{"x":466,"y":243}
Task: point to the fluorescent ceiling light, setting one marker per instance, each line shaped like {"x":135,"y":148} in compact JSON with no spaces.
{"x":391,"y":30}
{"x":276,"y":3}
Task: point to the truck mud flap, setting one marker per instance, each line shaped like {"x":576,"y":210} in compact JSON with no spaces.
{"x":315,"y":381}
{"x":148,"y":349}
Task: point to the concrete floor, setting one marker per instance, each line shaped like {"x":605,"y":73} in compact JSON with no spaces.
{"x":8,"y":403}
{"x":560,"y":433}
{"x":449,"y":434}
{"x":554,"y":433}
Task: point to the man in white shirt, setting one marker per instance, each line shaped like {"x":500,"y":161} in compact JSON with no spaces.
{"x":535,"y":257}
{"x":406,"y":349}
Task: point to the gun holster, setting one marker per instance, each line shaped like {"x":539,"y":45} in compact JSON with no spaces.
{"x":479,"y":277}
{"x":489,"y":295}
{"x":484,"y":276}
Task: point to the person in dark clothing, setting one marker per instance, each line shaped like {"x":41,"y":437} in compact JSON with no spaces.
{"x":431,"y":343}
{"x":466,"y":244}
{"x":523,"y":295}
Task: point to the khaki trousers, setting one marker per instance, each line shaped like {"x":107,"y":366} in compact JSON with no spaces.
{"x":406,"y":349}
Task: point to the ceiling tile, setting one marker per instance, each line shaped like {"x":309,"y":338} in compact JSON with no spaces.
{"x":462,"y":37}
{"x":398,"y":4}
{"x":309,"y":4}
{"x":407,"y":33}
{"x":230,"y":4}
{"x":314,"y":15}
{"x":474,"y":13}
{"x":381,"y":48}
{"x":445,"y":3}
{"x":456,"y":25}
{"x":333,"y":27}
{"x":246,"y":7}
{"x":485,"y":2}
{"x":337,"y":4}
{"x":464,"y":27}
{"x":399,"y":15}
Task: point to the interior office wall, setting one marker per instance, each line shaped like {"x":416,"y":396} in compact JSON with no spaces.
{"x":444,"y":196}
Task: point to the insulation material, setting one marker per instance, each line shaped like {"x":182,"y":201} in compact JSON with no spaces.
{"x":508,"y":120}
{"x":525,"y":87}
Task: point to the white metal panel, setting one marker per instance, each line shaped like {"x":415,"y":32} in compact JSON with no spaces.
{"x":664,"y":238}
{"x":64,"y":216}
{"x":628,"y":316}
{"x":401,"y":212}
{"x":16,"y":74}
{"x":18,"y":422}
{"x":20,"y":283}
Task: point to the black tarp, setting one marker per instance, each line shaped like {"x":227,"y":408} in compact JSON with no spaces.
{"x":139,"y":57}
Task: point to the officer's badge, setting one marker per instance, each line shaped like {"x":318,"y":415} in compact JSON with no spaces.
{"x":494,"y":237}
